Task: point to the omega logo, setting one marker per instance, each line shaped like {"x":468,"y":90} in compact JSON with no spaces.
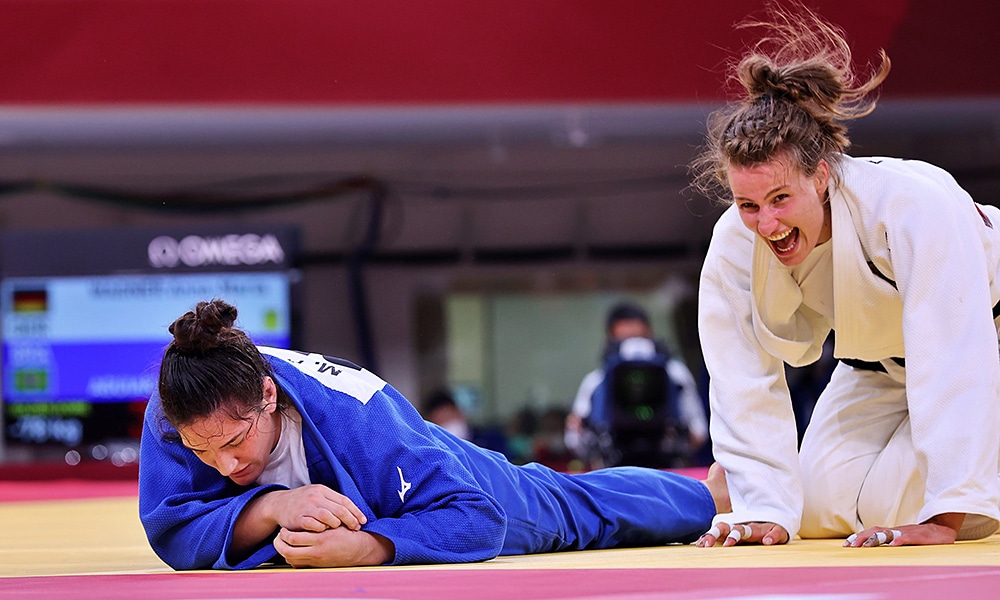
{"x":195,"y":251}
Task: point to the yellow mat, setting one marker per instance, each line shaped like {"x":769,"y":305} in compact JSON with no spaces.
{"x":104,"y":536}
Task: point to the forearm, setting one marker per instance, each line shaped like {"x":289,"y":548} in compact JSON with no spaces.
{"x":952,"y":521}
{"x":372,"y":549}
{"x":256,"y":523}
{"x":753,"y":426}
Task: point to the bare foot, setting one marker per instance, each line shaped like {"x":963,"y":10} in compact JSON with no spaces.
{"x":716,"y":484}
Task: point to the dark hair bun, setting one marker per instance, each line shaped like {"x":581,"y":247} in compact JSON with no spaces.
{"x":205,"y":327}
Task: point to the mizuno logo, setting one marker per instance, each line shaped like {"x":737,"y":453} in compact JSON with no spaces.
{"x":404,"y":486}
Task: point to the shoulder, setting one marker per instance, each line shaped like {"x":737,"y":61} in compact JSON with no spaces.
{"x":892,"y":166}
{"x":591,"y":380}
{"x":308,"y":368}
{"x":729,"y":235}
{"x":893,"y":193}
{"x":731,"y":247}
{"x":678,"y":370}
{"x":729,"y":222}
{"x":155,"y":421}
{"x":594,"y":377}
{"x":886,"y":177}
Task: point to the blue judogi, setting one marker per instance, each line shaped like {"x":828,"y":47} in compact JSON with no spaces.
{"x":438,"y":498}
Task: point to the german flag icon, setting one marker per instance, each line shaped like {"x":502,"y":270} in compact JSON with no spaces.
{"x":31,"y":301}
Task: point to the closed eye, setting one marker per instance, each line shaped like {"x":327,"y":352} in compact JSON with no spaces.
{"x":237,"y":442}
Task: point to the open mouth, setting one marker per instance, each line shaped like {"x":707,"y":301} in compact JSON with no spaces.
{"x":784,"y":242}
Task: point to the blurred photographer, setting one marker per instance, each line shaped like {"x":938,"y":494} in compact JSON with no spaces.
{"x":641,"y":407}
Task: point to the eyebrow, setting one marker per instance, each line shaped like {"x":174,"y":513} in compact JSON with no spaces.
{"x":238,"y":435}
{"x":242,"y":433}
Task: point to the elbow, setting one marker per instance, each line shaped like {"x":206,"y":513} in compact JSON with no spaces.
{"x":485,"y":533}
{"x":495,"y":530}
{"x":179,"y":559}
{"x":177,"y":550}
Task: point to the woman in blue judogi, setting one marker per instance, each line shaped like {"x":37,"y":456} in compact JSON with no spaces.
{"x":252,"y":455}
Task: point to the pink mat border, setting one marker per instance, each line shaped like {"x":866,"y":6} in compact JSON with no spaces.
{"x":889,"y":583}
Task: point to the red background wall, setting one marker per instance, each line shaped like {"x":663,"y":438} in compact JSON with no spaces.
{"x":448,"y":51}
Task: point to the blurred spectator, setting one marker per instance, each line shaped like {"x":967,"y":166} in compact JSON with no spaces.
{"x":521,"y":431}
{"x":441,"y":409}
{"x":549,"y":441}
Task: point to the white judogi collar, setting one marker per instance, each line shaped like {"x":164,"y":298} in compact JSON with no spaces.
{"x":783,"y":325}
{"x":868,"y":311}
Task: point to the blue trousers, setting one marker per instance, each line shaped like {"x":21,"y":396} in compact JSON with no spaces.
{"x":607,"y":508}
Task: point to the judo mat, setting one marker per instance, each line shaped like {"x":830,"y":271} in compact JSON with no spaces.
{"x":83,"y":539}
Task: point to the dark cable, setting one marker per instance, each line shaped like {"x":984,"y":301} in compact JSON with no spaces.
{"x":356,"y":281}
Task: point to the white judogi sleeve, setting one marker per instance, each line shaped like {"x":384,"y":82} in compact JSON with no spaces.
{"x":752,"y":424}
{"x":938,"y":250}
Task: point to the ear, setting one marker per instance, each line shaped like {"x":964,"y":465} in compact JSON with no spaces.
{"x":270,"y":401}
{"x":822,"y":178}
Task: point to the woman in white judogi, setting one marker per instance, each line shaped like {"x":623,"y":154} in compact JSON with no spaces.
{"x":894,"y":257}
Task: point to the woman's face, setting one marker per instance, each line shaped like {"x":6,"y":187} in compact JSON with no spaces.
{"x":785,"y":207}
{"x":237,"y":448}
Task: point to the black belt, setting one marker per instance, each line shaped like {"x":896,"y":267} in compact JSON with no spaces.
{"x":867,"y":365}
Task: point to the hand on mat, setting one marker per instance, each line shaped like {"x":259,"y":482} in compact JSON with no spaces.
{"x":942,"y":529}
{"x":337,"y":547}
{"x":314,"y":508}
{"x":763,"y":533}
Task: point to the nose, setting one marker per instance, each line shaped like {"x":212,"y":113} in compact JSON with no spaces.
{"x":767,"y":221}
{"x":226,"y":463}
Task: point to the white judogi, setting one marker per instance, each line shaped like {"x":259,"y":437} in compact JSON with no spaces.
{"x":883,"y":448}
